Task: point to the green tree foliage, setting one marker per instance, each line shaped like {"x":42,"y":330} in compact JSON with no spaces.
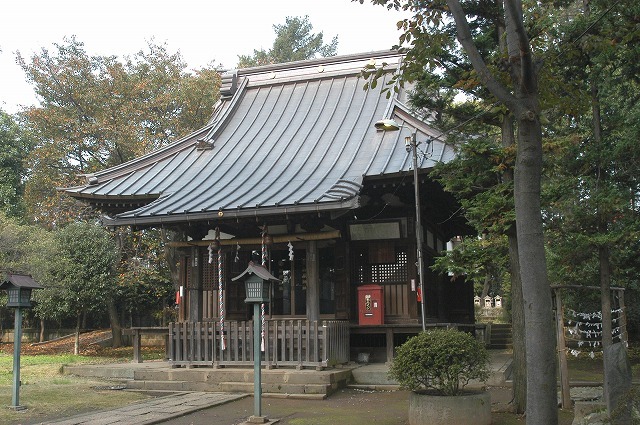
{"x":593,"y":189}
{"x":78,"y":273}
{"x":294,"y":41}
{"x":511,"y":76}
{"x":475,"y":178}
{"x":590,"y":102}
{"x":96,"y":112}
{"x":14,"y":147}
{"x":100,"y":111}
{"x":19,"y":246}
{"x":15,"y":240}
{"x":143,"y":283}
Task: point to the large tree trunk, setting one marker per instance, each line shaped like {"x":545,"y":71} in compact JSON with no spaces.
{"x":542,"y":398}
{"x":41,"y":339}
{"x":486,"y":286}
{"x":603,"y":251}
{"x":604,"y":262}
{"x":541,"y":391}
{"x":522,"y":102}
{"x":116,"y":328}
{"x":519,"y":374}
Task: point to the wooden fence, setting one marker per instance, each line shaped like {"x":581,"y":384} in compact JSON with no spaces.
{"x":287,"y":342}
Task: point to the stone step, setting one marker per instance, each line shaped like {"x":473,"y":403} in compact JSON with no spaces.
{"x":169,"y":386}
{"x":216,"y":376}
{"x":318,"y":390}
{"x":247,"y":387}
{"x":501,"y":337}
{"x":99,"y":371}
{"x":501,"y":346}
{"x":372,"y":374}
{"x":501,"y":325}
{"x":282,"y":382}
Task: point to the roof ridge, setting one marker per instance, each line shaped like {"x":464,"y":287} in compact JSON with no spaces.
{"x":317,"y":61}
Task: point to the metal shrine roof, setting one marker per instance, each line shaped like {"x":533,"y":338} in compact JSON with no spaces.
{"x":286,"y":138}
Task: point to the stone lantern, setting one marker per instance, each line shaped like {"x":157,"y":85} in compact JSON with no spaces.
{"x":258,"y":291}
{"x":256,"y":285}
{"x":18,"y":287}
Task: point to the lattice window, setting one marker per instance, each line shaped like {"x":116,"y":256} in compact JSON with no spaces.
{"x":378,"y":267}
{"x":210,"y":272}
{"x":185,"y":272}
{"x":396,"y":272}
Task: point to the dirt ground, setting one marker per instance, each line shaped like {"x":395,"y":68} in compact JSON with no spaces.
{"x":347,"y":406}
{"x":88,"y":345}
{"x":353,"y":407}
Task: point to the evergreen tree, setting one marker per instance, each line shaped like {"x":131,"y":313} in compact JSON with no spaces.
{"x":294,"y":42}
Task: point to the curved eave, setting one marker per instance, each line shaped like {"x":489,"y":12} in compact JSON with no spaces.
{"x":113,"y":205}
{"x":140,"y":199}
{"x":337,"y":206}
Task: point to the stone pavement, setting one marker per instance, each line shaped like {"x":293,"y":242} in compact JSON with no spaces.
{"x":152,"y":411}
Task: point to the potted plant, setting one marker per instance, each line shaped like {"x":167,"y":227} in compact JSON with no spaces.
{"x":436,"y":365}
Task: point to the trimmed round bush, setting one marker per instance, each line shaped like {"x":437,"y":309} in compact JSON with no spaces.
{"x":441,"y":361}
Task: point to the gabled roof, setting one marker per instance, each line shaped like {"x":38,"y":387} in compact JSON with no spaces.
{"x":286,"y":138}
{"x":20,"y":280}
{"x":258,"y":270}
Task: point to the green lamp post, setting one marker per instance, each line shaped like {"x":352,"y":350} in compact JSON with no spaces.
{"x":257,"y":289}
{"x":18,"y":287}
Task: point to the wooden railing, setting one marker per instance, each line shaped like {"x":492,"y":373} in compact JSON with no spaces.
{"x":287,"y":342}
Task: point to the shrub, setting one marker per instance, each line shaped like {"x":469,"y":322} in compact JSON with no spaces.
{"x":443,"y":360}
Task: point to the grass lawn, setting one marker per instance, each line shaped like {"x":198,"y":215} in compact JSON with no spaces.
{"x":47,"y":393}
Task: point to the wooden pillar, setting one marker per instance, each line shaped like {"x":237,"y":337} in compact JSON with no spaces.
{"x":195,"y":290}
{"x":313,"y":281}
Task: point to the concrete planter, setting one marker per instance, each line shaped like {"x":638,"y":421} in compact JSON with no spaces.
{"x":465,"y":409}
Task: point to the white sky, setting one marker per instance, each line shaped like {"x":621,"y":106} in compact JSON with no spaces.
{"x":205,"y":32}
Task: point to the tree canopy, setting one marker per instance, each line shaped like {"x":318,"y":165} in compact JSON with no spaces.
{"x":94,"y":112}
{"x":563,"y":71}
{"x":14,"y":148}
{"x":100,"y":111}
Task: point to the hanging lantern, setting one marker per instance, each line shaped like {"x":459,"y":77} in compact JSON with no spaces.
{"x":18,"y":289}
{"x":257,"y":283}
